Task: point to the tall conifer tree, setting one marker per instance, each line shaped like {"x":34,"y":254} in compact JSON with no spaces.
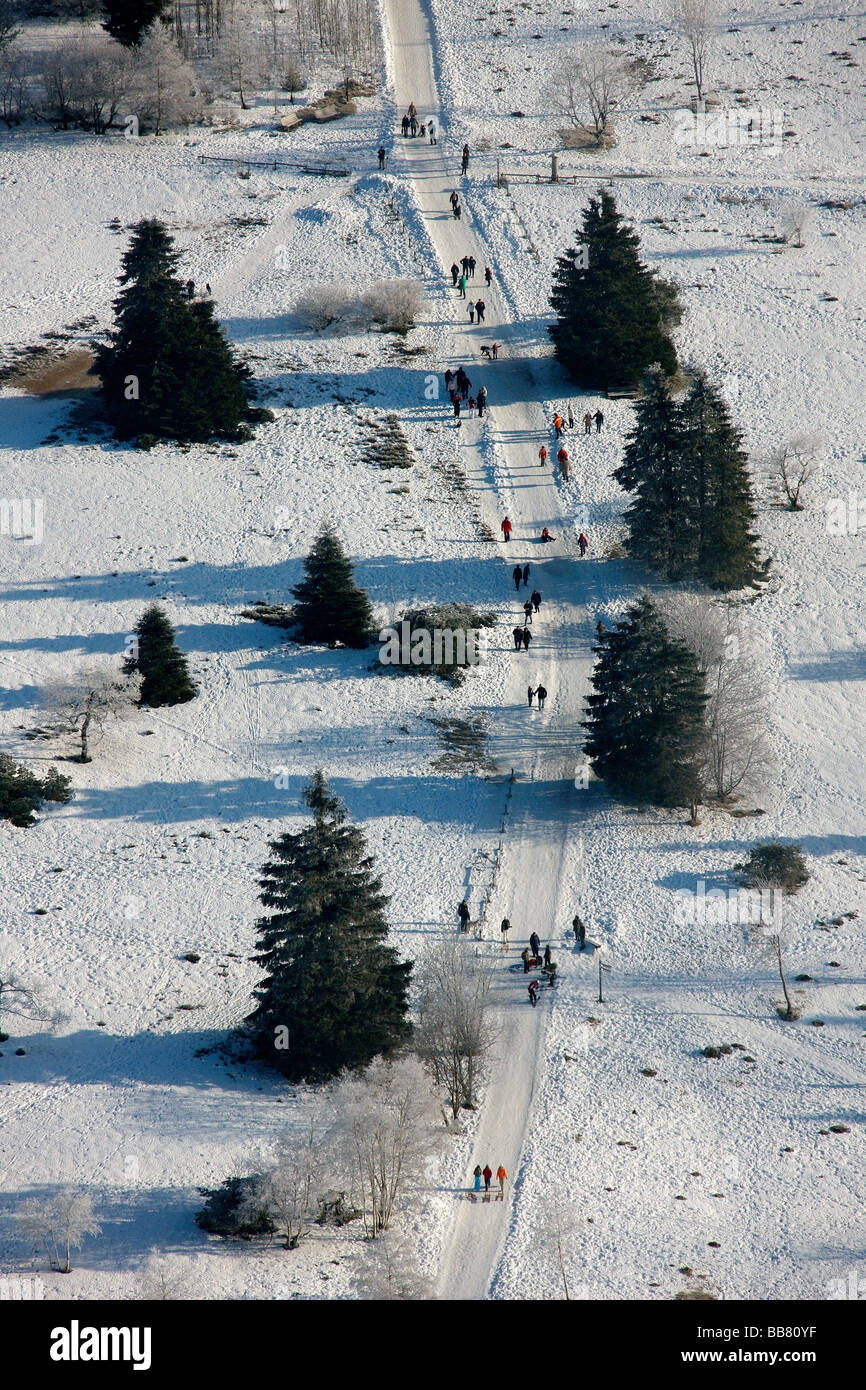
{"x":334,"y":994}
{"x":645,"y":720}
{"x":165,"y":678}
{"x":167,"y":369}
{"x":613,"y":314}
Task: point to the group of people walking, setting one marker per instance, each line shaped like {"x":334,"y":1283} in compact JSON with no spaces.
{"x":458,"y":386}
{"x":411,"y":126}
{"x":485,"y":1174}
{"x":559,"y":423}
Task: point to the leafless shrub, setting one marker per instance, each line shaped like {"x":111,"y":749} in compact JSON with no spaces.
{"x":18,"y":999}
{"x":796,"y":220}
{"x":394,"y":304}
{"x":288,"y":1189}
{"x":322,"y":305}
{"x":166,"y":91}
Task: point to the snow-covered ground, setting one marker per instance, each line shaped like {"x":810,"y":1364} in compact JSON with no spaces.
{"x":157,"y":854}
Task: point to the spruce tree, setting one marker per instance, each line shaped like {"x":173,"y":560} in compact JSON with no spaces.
{"x":613,"y":314}
{"x":165,"y":675}
{"x":718,"y":476}
{"x":334,"y":994}
{"x":329,"y":606}
{"x":167,"y":370}
{"x":661,"y":519}
{"x":127,"y":20}
{"x":645,"y":721}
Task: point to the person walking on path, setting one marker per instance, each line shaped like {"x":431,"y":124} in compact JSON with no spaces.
{"x":557,"y":425}
{"x":535,"y":945}
{"x":535,"y":599}
{"x":381,"y":153}
{"x":542,"y":455}
{"x":472,"y":264}
{"x":530,"y":693}
{"x":431,"y":127}
{"x":525,"y":957}
{"x":547,"y":956}
{"x":599,"y":421}
{"x":583,"y":543}
{"x":413,"y":126}
{"x":471,"y":312}
{"x":482,"y":401}
{"x":464,"y":265}
{"x":487,"y":1175}
{"x":517,"y":575}
{"x":501,"y":1175}
{"x":562,"y":459}
{"x":525,"y":576}
{"x":527,"y":638}
{"x":461,"y":285}
{"x":464,"y":161}
{"x":517,"y":634}
{"x":454,"y":198}
{"x":587,"y":423}
{"x":505,"y":928}
{"x":488,"y":275}
{"x":405,"y":124}
{"x":542,"y":696}
{"x":472,"y":404}
{"x":477,"y":1177}
{"x":494,"y":350}
{"x":455,"y":274}
{"x":532,"y":989}
{"x":579,"y":932}
{"x":463,"y":914}
{"x":570,"y":417}
{"x":457,"y":210}
{"x":527,"y":608}
{"x":480,"y":306}
{"x":456,"y":398}
{"x":506,"y":528}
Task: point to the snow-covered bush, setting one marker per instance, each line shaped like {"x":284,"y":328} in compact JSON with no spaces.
{"x":394,"y":304}
{"x":232,"y":1210}
{"x":321,"y":305}
{"x":166,"y":91}
{"x":774,"y":865}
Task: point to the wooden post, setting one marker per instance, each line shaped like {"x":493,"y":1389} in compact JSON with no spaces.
{"x":554,"y":168}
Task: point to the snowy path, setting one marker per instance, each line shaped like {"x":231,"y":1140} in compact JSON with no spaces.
{"x":501,"y":458}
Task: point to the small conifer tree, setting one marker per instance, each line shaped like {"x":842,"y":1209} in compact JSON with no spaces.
{"x":329,"y":606}
{"x":165,"y":677}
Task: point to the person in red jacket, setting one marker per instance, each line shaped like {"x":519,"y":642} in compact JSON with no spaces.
{"x":487,"y":1174}
{"x":583,"y":543}
{"x":506,"y":530}
{"x":562,"y":460}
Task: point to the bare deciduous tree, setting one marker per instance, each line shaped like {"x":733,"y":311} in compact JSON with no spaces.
{"x":590,"y":83}
{"x":385,"y":1131}
{"x":18,"y":999}
{"x":391,"y":1272}
{"x":166,"y":91}
{"x":87,"y":700}
{"x":456,"y":1033}
{"x":698,"y":22}
{"x":63,"y":1222}
{"x":164,"y":1279}
{"x":287,"y":1189}
{"x":8,"y":23}
{"x":557,"y":1234}
{"x":796,"y":220}
{"x":321,"y":305}
{"x":794,"y":464}
{"x":736,"y":752}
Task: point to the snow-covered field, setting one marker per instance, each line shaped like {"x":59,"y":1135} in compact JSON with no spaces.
{"x":157,"y":854}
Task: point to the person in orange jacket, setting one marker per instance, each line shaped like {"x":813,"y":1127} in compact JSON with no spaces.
{"x":487,"y":1174}
{"x":557,"y":424}
{"x":542,"y":455}
{"x":501,"y":1176}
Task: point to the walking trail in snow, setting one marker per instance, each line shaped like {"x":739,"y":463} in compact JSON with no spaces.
{"x":542,"y":747}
